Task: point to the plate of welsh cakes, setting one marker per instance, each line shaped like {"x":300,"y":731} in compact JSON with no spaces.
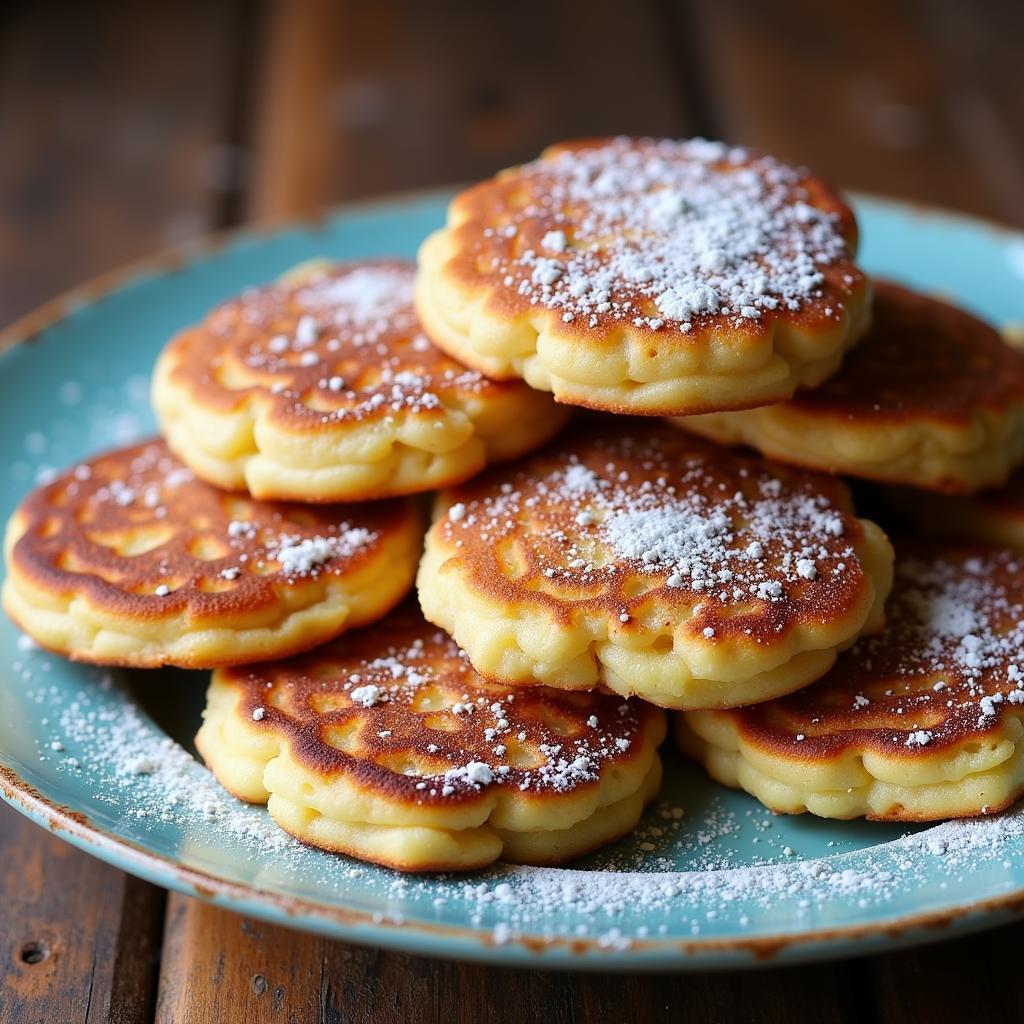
{"x":617,"y":564}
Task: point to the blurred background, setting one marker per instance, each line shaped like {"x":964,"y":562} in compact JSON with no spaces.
{"x":126,"y":127}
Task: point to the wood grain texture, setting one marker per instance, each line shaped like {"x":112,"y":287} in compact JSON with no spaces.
{"x":293,"y":102}
{"x":221,"y":967}
{"x":952,"y":981}
{"x":361,"y":99}
{"x":78,"y":940}
{"x":116,"y":114}
{"x":978,"y":47}
{"x":112,"y":146}
{"x":218,"y":966}
{"x":883,"y":96}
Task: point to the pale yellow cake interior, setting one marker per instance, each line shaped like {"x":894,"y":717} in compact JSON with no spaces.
{"x":921,"y":451}
{"x":518,"y":641}
{"x":335,"y":812}
{"x":247,"y":447}
{"x":973,"y":777}
{"x":308,"y":610}
{"x":622,"y":371}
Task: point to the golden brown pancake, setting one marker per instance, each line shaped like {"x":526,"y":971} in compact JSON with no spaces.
{"x":387,"y":746}
{"x":130,"y":560}
{"x":932,"y":397}
{"x":323,"y":387}
{"x":993,"y":516}
{"x":923,"y":722}
{"x":641,"y":560}
{"x":648,"y":276}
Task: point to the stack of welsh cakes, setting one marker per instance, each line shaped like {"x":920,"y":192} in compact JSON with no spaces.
{"x":686,"y":543}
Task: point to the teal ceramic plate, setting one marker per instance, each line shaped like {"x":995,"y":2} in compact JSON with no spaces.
{"x":105,"y":759}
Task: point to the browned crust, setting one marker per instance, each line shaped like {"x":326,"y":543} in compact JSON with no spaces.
{"x":824,"y":714}
{"x":491,"y":204}
{"x":921,"y":359}
{"x":1004,"y":504}
{"x":645,"y":452}
{"x":67,"y":530}
{"x":232,"y":344}
{"x":306,"y":699}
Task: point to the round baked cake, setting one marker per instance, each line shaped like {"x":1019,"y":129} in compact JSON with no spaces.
{"x":632,"y":557}
{"x":130,"y":560}
{"x":648,"y":276}
{"x":324,"y":388}
{"x":387,"y":746}
{"x":992,"y":516}
{"x":923,"y":723}
{"x":932,"y":397}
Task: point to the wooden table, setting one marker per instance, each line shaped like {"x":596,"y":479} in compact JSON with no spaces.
{"x":125,"y":127}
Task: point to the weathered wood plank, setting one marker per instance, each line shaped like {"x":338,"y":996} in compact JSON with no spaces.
{"x":78,"y":940}
{"x":978,"y":48}
{"x":361,"y":99}
{"x":218,"y":967}
{"x":879,"y":96}
{"x":293,"y":120}
{"x":367,"y":985}
{"x":948,"y":981}
{"x":111,"y":133}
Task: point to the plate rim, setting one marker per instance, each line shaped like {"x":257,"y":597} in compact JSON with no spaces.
{"x":472,"y":943}
{"x":168,"y":259}
{"x":477,"y":944}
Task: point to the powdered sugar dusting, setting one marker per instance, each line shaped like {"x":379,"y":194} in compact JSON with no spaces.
{"x":634,"y":896}
{"x":666,"y":234}
{"x":416,"y":692}
{"x":154,"y":779}
{"x":949,"y":666}
{"x":188,"y":532}
{"x":303,"y":556}
{"x":725,"y":531}
{"x":956,"y":624}
{"x":370,"y":299}
{"x":344,"y":345}
{"x":696,"y":540}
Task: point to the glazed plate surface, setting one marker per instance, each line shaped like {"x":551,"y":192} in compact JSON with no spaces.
{"x":710,"y":879}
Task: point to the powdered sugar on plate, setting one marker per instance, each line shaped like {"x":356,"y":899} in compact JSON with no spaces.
{"x":140,"y":774}
{"x":726,"y":867}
